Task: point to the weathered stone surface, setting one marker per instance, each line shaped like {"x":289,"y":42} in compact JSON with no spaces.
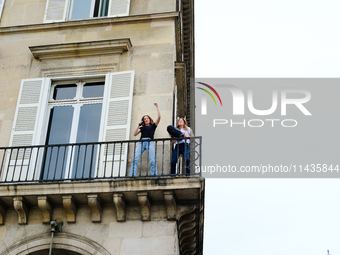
{"x":22,"y":208}
{"x":150,"y":246}
{"x":159,"y":228}
{"x":96,"y":208}
{"x":144,"y":204}
{"x":132,"y":229}
{"x":171,"y":207}
{"x":70,"y":207}
{"x":46,"y":208}
{"x":118,"y":200}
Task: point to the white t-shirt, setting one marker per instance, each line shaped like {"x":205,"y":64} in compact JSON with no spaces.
{"x":187,"y":133}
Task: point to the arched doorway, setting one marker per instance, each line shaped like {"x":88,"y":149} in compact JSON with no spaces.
{"x":63,"y":244}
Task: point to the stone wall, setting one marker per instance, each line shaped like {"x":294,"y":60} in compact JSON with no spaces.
{"x":157,"y":237}
{"x":152,"y":57}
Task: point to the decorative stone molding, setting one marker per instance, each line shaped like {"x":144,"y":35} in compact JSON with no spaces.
{"x":70,"y":207}
{"x":95,"y":206}
{"x":144,"y":204}
{"x":98,"y":22}
{"x":3,"y":210}
{"x":45,"y":208}
{"x":65,"y":71}
{"x":21,"y":206}
{"x":118,"y":200}
{"x":81,"y":49}
{"x":170,"y":204}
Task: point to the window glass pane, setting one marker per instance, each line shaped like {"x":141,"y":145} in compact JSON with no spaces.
{"x":81,"y":9}
{"x":64,"y":91}
{"x":60,"y":125}
{"x":89,"y":121}
{"x":96,"y":8}
{"x":94,"y":89}
{"x":59,"y":130}
{"x":104,"y":7}
{"x":88,"y":131}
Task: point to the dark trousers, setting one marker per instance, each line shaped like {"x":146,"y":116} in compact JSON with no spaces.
{"x":174,"y":132}
{"x":181,"y":149}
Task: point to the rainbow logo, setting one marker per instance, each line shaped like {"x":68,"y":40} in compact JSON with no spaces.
{"x":213,"y":90}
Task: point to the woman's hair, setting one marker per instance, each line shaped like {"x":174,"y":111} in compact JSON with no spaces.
{"x":185,"y":124}
{"x":151,"y":120}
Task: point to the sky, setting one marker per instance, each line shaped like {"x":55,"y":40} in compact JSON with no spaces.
{"x":263,"y":38}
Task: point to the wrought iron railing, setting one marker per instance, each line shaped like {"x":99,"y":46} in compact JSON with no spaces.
{"x":99,"y":160}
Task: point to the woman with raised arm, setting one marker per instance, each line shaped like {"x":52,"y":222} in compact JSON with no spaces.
{"x":147,"y":129}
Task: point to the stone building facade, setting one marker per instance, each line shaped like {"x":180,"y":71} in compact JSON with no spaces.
{"x":76,"y":77}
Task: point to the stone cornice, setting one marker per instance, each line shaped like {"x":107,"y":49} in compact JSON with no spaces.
{"x":88,"y":22}
{"x":96,"y":187}
{"x":67,"y":50}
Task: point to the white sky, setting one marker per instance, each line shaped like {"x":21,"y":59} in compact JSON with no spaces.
{"x":269,"y":38}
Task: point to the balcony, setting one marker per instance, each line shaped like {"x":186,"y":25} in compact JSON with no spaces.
{"x":95,"y":161}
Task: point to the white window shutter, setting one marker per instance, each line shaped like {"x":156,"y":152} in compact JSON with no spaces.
{"x":116,"y":120}
{"x":55,"y":11}
{"x":119,"y":8}
{"x":2,"y":3}
{"x":25,"y":130}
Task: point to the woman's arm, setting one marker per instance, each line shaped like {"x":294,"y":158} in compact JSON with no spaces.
{"x":137,"y":131}
{"x":191,"y":133}
{"x":159,"y":115}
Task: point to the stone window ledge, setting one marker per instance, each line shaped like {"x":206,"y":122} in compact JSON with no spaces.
{"x":80,"y":49}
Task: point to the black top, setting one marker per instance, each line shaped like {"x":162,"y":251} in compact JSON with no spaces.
{"x":148,"y":131}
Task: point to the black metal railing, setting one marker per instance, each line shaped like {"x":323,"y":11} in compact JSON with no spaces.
{"x":100,"y":160}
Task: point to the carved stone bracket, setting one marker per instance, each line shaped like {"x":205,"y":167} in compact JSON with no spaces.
{"x":70,"y":207}
{"x":187,"y":225}
{"x":118,"y":200}
{"x":170,"y":204}
{"x":144,"y":204}
{"x":21,"y":206}
{"x":96,"y":207}
{"x":46,"y":209}
{"x":3,"y":210}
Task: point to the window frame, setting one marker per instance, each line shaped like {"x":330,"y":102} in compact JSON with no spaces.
{"x":44,"y":121}
{"x":77,"y":102}
{"x":60,"y":10}
{"x":118,"y":91}
{"x":92,"y":9}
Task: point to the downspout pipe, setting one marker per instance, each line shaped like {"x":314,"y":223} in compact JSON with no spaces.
{"x":56,"y":227}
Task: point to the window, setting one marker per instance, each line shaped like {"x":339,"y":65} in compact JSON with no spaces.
{"x":82,"y":9}
{"x":62,"y":10}
{"x":74,"y":110}
{"x":75,"y":114}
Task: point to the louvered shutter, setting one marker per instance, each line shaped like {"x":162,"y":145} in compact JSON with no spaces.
{"x":2,"y":3}
{"x":116,"y":120}
{"x":56,"y":10}
{"x":25,"y":130}
{"x":119,"y":8}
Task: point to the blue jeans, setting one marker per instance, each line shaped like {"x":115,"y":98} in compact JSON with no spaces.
{"x":183,"y":149}
{"x":141,"y":147}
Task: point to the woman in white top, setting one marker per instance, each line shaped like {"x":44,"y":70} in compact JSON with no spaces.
{"x":182,"y":147}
